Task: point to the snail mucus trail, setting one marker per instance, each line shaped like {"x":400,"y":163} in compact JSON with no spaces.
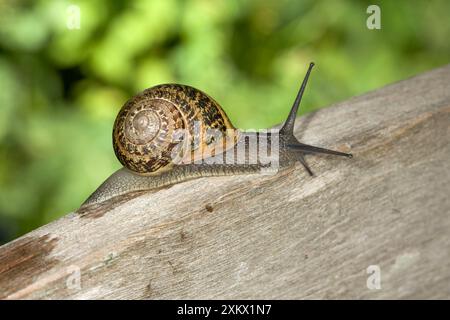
{"x":148,"y":143}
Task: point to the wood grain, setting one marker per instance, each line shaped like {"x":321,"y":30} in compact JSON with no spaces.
{"x":277,"y":236}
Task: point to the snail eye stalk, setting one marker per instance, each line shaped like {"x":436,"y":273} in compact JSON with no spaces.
{"x":288,"y":131}
{"x":288,"y":127}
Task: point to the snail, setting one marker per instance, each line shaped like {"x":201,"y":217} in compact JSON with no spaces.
{"x":172,"y":133}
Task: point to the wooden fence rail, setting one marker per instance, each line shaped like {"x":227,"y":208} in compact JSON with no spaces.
{"x":385,"y":212}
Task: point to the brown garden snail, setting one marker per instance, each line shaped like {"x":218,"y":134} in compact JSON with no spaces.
{"x":171,"y":133}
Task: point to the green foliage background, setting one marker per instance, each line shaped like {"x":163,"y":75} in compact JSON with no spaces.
{"x":61,"y":89}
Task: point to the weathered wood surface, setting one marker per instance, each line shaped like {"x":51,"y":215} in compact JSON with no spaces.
{"x":282,"y":236}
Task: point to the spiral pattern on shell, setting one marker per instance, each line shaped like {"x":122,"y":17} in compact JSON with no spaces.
{"x":144,"y":128}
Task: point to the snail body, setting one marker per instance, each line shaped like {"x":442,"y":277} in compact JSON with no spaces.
{"x":172,"y":133}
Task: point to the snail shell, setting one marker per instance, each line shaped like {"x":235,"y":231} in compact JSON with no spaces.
{"x":144,"y":130}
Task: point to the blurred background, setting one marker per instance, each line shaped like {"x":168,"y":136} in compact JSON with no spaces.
{"x":63,"y":79}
